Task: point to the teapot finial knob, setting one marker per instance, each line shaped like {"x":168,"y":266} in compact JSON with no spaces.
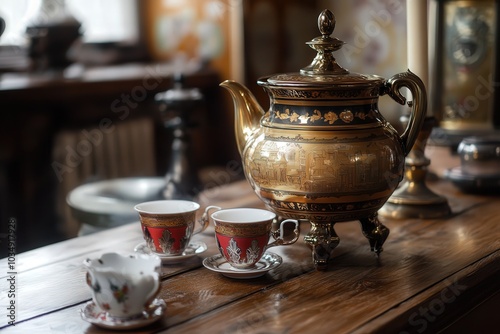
{"x":326,"y":22}
{"x":325,"y":63}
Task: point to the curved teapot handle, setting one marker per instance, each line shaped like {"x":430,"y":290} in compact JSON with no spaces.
{"x":418,"y":106}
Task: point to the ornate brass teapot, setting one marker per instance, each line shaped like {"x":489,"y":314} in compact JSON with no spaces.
{"x":323,"y":152}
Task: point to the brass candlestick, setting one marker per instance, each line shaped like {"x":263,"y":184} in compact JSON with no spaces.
{"x":413,"y":199}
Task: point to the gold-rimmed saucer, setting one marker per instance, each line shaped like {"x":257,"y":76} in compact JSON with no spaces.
{"x":194,"y":248}
{"x":219,"y":264}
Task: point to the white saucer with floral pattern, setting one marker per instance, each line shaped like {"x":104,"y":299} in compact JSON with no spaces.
{"x":96,"y":316}
{"x":194,"y":248}
{"x":219,"y":264}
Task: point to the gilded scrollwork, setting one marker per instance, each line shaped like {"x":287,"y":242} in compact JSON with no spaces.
{"x":346,"y":116}
{"x":316,"y":116}
{"x":361,"y":115}
{"x":331,"y":117}
{"x":248,"y":230}
{"x":347,"y":93}
{"x":326,"y":207}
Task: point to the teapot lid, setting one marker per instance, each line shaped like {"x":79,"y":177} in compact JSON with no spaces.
{"x":324,"y":69}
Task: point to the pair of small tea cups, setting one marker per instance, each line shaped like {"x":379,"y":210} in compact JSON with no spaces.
{"x":242,"y":234}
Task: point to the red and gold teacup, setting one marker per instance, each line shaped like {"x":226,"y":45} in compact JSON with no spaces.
{"x":242,"y":234}
{"x":168,"y":225}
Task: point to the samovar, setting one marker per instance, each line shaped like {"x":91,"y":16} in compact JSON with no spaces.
{"x":323,"y":152}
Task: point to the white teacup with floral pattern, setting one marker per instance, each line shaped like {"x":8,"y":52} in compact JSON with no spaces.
{"x":123,"y":285}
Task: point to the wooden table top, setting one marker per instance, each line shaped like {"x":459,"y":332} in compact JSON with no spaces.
{"x":432,"y":274}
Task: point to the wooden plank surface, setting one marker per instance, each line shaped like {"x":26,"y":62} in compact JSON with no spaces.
{"x":359,"y":293}
{"x":358,"y":288}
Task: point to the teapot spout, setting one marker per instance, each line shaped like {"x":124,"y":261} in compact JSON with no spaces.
{"x":247,"y":112}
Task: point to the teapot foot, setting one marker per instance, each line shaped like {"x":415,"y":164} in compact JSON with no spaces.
{"x":323,"y":240}
{"x":375,"y":232}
